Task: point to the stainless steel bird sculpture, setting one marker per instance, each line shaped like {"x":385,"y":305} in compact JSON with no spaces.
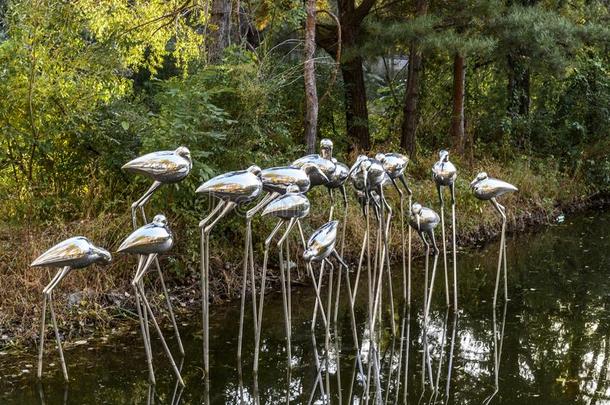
{"x":74,"y":253}
{"x":424,"y":220}
{"x":444,"y":174}
{"x":148,"y":242}
{"x":489,"y":189}
{"x":289,"y":208}
{"x":395,"y":165}
{"x":233,"y":188}
{"x":163,"y":167}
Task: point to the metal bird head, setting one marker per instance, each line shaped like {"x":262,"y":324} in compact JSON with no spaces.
{"x":103,"y":256}
{"x":160,"y":220}
{"x":255,"y":170}
{"x":326,"y":148}
{"x":184,"y":152}
{"x":443,"y":155}
{"x":416,"y":211}
{"x":480,"y":177}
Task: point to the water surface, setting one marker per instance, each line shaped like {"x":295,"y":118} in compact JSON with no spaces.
{"x":551,"y":345}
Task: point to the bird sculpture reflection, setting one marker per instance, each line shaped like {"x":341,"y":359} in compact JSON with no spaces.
{"x":74,"y":253}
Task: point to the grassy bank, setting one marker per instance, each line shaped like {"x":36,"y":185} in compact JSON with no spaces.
{"x":98,"y":298}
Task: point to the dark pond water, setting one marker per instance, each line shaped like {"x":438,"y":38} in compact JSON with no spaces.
{"x":552,"y":346}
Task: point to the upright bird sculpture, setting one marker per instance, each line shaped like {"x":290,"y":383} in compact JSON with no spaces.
{"x":444,"y":174}
{"x":489,"y":189}
{"x":148,"y":242}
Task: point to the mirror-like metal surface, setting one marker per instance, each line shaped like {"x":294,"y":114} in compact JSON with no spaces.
{"x":444,"y":172}
{"x":237,"y":186}
{"x":278,"y":179}
{"x":394,"y":164}
{"x":163,"y":166}
{"x":322,"y":242}
{"x":155,"y":237}
{"x":486,"y":188}
{"x":423,"y":219}
{"x":324,"y":168}
{"x":289,"y":205}
{"x":76,"y":252}
{"x":339,"y":175}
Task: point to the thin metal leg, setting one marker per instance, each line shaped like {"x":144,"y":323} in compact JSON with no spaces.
{"x":42,"y":333}
{"x":151,"y":371}
{"x":454,"y":249}
{"x":140,"y":201}
{"x":410,"y":239}
{"x":262,"y":294}
{"x":161,"y":338}
{"x":403,"y":250}
{"x":433,"y":277}
{"x":443,"y":234}
{"x":64,"y":369}
{"x":285,"y":306}
{"x":43,"y":318}
{"x":243,"y":289}
{"x":169,"y":307}
{"x":501,"y":253}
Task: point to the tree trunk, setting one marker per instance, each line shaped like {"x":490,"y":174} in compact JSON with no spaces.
{"x":311,"y":93}
{"x":457,"y":117}
{"x":410,"y":110}
{"x":356,"y":111}
{"x":518,"y":88}
{"x":220,"y":34}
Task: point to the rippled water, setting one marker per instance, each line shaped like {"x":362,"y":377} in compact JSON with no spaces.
{"x":552,"y":346}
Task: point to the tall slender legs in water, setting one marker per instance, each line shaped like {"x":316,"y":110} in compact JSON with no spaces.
{"x":487,"y":188}
{"x":444,"y":174}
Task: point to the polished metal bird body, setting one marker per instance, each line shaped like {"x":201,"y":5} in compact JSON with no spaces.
{"x":394,"y":164}
{"x":486,"y":188}
{"x":155,"y":237}
{"x":322,"y":242}
{"x":239,"y":186}
{"x":423,"y":219}
{"x":444,"y":172}
{"x":72,"y":253}
{"x":339,"y":175}
{"x":324,"y":168}
{"x":164,"y":166}
{"x":76,"y":253}
{"x":278,"y":179}
{"x":293,"y":204}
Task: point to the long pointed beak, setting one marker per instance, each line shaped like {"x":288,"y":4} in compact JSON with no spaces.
{"x":418,"y":221}
{"x":472,"y":183}
{"x":366,"y":177}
